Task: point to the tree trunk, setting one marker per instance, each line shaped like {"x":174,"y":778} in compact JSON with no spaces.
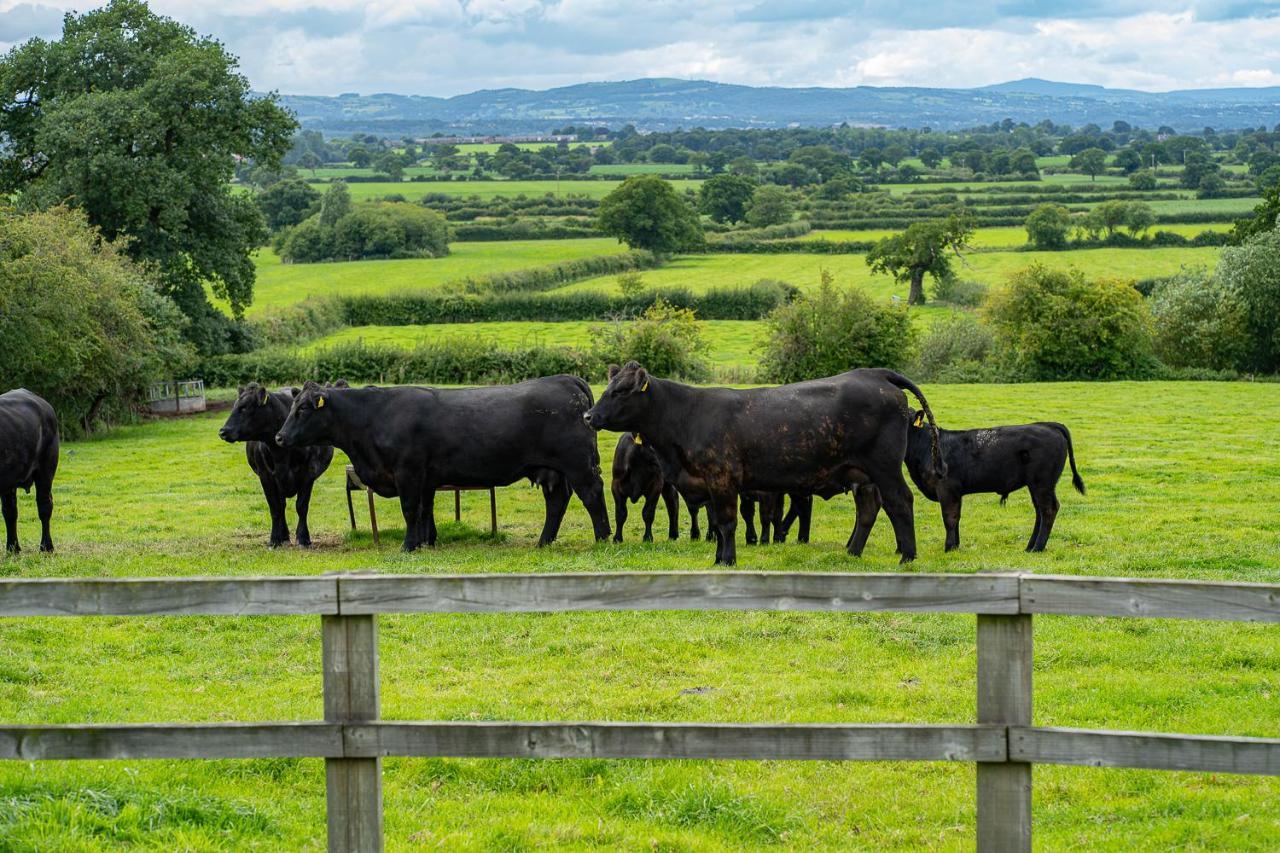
{"x":916,"y":295}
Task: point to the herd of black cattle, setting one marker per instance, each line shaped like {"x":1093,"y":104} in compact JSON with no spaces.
{"x":713,"y":447}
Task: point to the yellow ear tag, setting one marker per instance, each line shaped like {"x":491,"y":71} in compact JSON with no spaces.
{"x":919,"y":420}
{"x":636,"y":438}
{"x":320,"y":402}
{"x":262,"y":401}
{"x":646,"y":385}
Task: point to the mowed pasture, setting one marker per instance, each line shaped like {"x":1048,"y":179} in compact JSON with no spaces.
{"x":281,"y":284}
{"x":415,"y":190}
{"x":1181,"y":484}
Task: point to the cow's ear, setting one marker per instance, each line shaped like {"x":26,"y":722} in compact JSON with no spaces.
{"x":262,"y":396}
{"x":341,"y":383}
{"x":295,"y":391}
{"x":642,"y":379}
{"x":613,"y":371}
{"x":919,"y":420}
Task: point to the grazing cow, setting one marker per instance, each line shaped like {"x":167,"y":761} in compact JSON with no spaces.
{"x":28,"y":456}
{"x":819,"y":437}
{"x":284,"y":473}
{"x":409,"y":441}
{"x":999,"y":460}
{"x":637,"y":474}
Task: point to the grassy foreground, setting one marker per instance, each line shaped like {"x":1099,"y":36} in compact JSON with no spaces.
{"x":1182,"y":484}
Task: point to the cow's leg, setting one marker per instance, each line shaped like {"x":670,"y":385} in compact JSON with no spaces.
{"x":723,"y":512}
{"x":897,"y":499}
{"x":694,"y":533}
{"x":749,"y":519}
{"x":276,"y":506}
{"x":647,"y":512}
{"x":303,"y":503}
{"x":44,"y":506}
{"x":619,"y":514}
{"x":806,"y":518}
{"x":781,"y":532}
{"x":1047,"y":512}
{"x":951,"y":505}
{"x":589,"y":488}
{"x":409,"y":488}
{"x":866,"y":499}
{"x":556,"y":495}
{"x":9,"y":501}
{"x":1035,"y":528}
{"x":427,"y":531}
{"x":672,"y":499}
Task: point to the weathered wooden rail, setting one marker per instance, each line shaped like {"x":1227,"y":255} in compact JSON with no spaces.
{"x":352,"y":739}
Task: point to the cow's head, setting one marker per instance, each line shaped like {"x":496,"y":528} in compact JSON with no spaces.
{"x":255,"y":416}
{"x":309,"y":420}
{"x":624,"y":402}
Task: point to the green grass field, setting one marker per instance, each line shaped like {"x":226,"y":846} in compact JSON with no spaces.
{"x":703,"y":272}
{"x":1010,"y":236}
{"x":284,"y":284}
{"x":415,"y":190}
{"x":643,"y":169}
{"x":1181,"y":484}
{"x":730,"y":343}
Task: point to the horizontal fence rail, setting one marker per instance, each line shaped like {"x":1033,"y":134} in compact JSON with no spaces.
{"x":352,"y":739}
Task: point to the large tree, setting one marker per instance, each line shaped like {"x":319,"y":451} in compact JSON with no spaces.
{"x":646,"y":213}
{"x":725,"y":198}
{"x":140,"y":122}
{"x":925,"y":248}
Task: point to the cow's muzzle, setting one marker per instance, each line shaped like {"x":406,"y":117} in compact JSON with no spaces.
{"x":280,"y":439}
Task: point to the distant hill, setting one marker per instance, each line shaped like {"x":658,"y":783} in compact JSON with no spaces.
{"x":665,"y":103}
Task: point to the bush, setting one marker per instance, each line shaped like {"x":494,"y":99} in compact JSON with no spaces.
{"x":630,"y":283}
{"x":1199,"y":322}
{"x":1048,"y":227}
{"x":832,"y":331}
{"x":377,"y":230}
{"x":1052,"y":324}
{"x":81,"y":324}
{"x":666,"y":339}
{"x":960,"y":291}
{"x":956,"y":348}
{"x":1143,"y":179}
{"x":771,"y":205}
{"x":1251,"y":271}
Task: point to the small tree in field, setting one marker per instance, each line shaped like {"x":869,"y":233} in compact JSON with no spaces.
{"x":725,"y":197}
{"x":1048,"y":226}
{"x":925,"y":248}
{"x":646,"y":213}
{"x":771,"y":205}
{"x":1090,"y":161}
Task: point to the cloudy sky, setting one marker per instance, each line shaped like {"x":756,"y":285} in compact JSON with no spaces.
{"x":447,"y":47}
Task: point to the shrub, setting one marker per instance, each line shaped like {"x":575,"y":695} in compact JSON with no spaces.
{"x":1048,"y":226}
{"x":1143,"y":179}
{"x":1251,"y":271}
{"x":960,"y":291}
{"x":771,"y":205}
{"x":832,"y":331}
{"x":666,"y":339}
{"x":1056,"y":324}
{"x":376,"y":230}
{"x":1199,"y":322}
{"x":956,"y":348}
{"x":81,"y":324}
{"x":630,"y":283}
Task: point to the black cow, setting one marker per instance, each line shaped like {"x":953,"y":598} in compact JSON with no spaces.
{"x":771,"y":511}
{"x":409,"y":441}
{"x":801,"y":510}
{"x":28,"y":456}
{"x":819,"y":437}
{"x":284,"y":473}
{"x":637,"y":474}
{"x":998,"y":460}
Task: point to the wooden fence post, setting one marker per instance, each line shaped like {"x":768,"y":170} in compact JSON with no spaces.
{"x":1004,"y":698}
{"x":353,"y":786}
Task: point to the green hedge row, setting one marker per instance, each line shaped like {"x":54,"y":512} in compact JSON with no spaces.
{"x":472,"y":232}
{"x":789,"y":247}
{"x":555,"y":275}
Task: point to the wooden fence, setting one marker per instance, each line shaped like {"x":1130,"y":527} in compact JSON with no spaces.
{"x":1003,"y":743}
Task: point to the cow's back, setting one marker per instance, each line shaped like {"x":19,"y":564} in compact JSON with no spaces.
{"x":28,"y":437}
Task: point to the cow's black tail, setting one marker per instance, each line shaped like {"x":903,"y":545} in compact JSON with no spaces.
{"x":1071,"y":455}
{"x":935,"y":446}
{"x":591,"y":401}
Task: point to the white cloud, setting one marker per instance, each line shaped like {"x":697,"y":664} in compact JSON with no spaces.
{"x":444,"y":47}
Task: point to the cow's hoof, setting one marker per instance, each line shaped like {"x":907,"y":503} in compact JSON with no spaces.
{"x":907,"y":558}
{"x":13,"y":548}
{"x":304,"y":543}
{"x":618,"y":538}
{"x":275,"y":543}
{"x":46,"y":547}
{"x":648,"y":537}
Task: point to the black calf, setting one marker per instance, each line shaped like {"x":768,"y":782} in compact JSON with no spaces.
{"x":28,"y":456}
{"x":637,"y":474}
{"x":284,"y":473}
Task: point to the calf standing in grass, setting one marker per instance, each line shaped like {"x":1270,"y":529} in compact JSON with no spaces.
{"x":284,"y":472}
{"x":998,"y":460}
{"x":637,"y":474}
{"x":28,"y":456}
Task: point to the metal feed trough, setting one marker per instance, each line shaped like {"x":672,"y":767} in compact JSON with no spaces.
{"x":355,"y":485}
{"x":176,"y":398}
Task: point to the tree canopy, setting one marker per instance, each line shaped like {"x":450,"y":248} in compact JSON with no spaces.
{"x":645,"y":212}
{"x":139,"y":122}
{"x":725,"y":197}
